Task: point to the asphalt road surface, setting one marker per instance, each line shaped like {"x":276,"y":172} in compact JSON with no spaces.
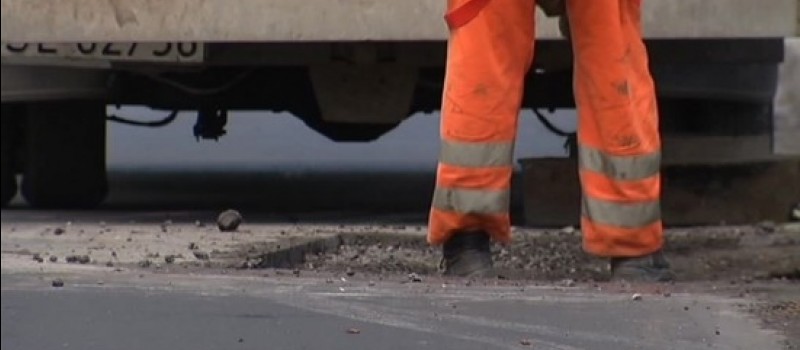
{"x":96,"y":310}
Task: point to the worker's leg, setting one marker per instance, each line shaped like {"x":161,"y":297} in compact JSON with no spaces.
{"x":619,"y":153}
{"x":486,"y":65}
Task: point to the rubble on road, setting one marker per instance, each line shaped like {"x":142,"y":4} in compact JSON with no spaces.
{"x":229,"y":220}
{"x":200,"y":255}
{"x":741,"y":254}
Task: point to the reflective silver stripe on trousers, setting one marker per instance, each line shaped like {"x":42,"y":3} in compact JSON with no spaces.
{"x":619,"y":167}
{"x":628,"y":215}
{"x":476,"y":155}
{"x":471,"y":201}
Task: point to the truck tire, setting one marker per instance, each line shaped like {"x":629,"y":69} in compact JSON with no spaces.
{"x":8,"y":181}
{"x":65,"y":161}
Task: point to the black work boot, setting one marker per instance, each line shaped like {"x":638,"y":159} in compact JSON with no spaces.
{"x":467,"y":254}
{"x":649,"y":268}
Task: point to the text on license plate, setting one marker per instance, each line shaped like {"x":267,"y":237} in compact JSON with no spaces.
{"x":162,"y":52}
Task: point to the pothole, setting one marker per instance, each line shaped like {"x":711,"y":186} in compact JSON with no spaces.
{"x":696,"y":254}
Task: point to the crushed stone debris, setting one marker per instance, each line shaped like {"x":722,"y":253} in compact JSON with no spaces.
{"x":229,"y":220}
{"x":201,"y":255}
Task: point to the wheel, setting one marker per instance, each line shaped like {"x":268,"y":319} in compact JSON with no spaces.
{"x":65,"y":160}
{"x":10,"y":135}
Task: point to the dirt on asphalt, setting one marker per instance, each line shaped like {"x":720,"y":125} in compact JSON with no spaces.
{"x":758,"y":262}
{"x":733,"y":254}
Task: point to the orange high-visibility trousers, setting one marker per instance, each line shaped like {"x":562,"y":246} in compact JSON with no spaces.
{"x":490,"y":51}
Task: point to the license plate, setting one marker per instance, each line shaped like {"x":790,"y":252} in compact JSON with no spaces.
{"x":148,"y":52}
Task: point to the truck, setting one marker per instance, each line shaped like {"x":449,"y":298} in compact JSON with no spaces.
{"x":351,"y":70}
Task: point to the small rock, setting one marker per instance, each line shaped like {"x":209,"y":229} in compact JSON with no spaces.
{"x":145,"y":263}
{"x":201,"y":255}
{"x":53,"y":258}
{"x":350,"y":272}
{"x":636,"y":297}
{"x":81,"y":259}
{"x":413,"y":277}
{"x":767,"y":226}
{"x":192,"y":246}
{"x":296,"y":272}
{"x":38,"y":258}
{"x":58,"y":231}
{"x":716,"y":331}
{"x":109,"y":264}
{"x":58,"y":283}
{"x":169,"y":259}
{"x":525,"y":342}
{"x":353,"y":331}
{"x":685,"y":308}
{"x":229,"y":220}
{"x":568,"y":230}
{"x":241,"y":340}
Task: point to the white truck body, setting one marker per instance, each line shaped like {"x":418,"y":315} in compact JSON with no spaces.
{"x":342,"y":20}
